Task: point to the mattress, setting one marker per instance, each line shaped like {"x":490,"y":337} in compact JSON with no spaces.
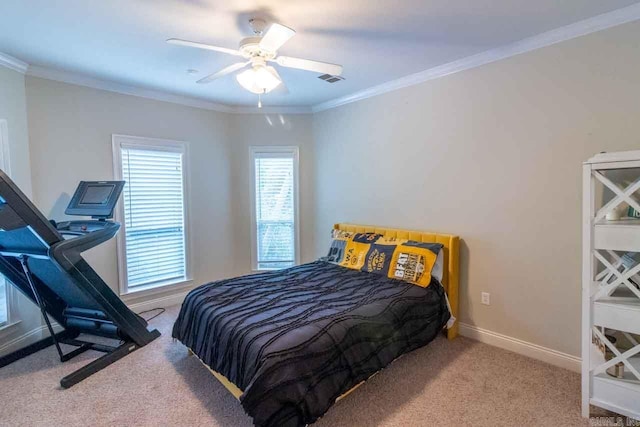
{"x":296,"y":339}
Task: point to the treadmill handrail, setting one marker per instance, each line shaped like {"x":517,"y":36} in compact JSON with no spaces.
{"x":87,"y":240}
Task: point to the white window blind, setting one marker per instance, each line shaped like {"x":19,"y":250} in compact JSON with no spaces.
{"x":275,"y":192}
{"x":153,"y":215}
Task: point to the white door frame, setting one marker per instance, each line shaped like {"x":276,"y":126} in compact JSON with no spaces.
{"x":4,"y":147}
{"x":5,"y":165}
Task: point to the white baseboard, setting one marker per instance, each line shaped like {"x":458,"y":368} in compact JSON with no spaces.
{"x":28,"y":338}
{"x":534,"y":351}
{"x":165,"y":301}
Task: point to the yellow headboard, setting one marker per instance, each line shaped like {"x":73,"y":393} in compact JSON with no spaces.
{"x":451,"y":243}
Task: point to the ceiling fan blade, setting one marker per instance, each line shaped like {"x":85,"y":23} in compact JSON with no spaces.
{"x":307,"y":64}
{"x":204,"y":46}
{"x":276,"y":36}
{"x":227,"y":70}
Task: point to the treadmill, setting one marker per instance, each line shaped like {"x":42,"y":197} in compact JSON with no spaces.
{"x":43,"y":260}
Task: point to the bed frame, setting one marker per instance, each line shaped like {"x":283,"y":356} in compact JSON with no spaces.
{"x":450,"y":280}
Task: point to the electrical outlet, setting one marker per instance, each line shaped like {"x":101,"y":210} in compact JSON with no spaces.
{"x":486,"y":298}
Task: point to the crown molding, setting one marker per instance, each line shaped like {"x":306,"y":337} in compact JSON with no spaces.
{"x":271,"y":110}
{"x":81,"y":80}
{"x":12,"y":63}
{"x":571,"y":31}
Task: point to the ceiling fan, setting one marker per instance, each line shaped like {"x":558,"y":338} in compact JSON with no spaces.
{"x":258,"y":51}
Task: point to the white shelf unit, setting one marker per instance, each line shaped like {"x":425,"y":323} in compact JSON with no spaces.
{"x":610,"y":301}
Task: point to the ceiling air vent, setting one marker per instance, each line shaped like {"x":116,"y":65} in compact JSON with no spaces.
{"x":330,"y":79}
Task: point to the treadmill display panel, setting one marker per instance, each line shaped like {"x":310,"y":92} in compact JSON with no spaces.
{"x":95,"y":198}
{"x":97,"y":194}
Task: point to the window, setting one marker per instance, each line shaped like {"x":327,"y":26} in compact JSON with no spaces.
{"x":274,"y":207}
{"x":153,"y":245}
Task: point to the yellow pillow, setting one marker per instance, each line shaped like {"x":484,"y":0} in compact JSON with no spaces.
{"x":350,"y":249}
{"x":400,"y":259}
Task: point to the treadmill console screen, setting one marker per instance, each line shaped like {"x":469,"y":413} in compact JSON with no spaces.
{"x":95,"y":198}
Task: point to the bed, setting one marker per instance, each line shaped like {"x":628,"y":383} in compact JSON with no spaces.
{"x":290,"y":343}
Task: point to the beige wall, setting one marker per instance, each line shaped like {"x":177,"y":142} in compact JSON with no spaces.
{"x":492,"y":154}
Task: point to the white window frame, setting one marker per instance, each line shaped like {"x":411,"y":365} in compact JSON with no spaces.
{"x":128,"y":141}
{"x":11,"y":292}
{"x":274,"y":149}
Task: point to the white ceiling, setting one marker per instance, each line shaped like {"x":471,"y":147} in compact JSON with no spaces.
{"x":376,"y":40}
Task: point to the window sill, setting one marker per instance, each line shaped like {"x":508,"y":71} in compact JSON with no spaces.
{"x":148,"y":290}
{"x":266,"y":270}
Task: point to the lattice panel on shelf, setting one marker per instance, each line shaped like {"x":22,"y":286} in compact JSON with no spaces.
{"x":621,"y":195}
{"x":618,"y":271}
{"x":620,"y":357}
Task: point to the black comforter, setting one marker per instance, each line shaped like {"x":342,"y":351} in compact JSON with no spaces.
{"x":294,"y":340}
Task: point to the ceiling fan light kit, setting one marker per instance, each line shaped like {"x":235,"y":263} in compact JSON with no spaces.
{"x":259,"y":79}
{"x":258,"y":51}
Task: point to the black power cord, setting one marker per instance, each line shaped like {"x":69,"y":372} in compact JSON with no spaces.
{"x":159,"y":310}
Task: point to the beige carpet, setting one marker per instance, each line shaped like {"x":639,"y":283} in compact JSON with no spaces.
{"x":459,"y":383}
